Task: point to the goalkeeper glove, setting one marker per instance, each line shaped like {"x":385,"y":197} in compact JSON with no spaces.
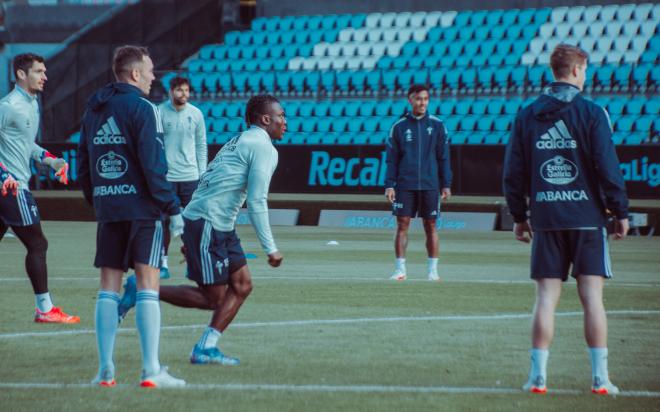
{"x":9,"y":185}
{"x":176,"y":225}
{"x":60,"y":166}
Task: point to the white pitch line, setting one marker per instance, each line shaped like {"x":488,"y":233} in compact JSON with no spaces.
{"x":249,"y":325}
{"x":451,"y":390}
{"x":360,"y":279}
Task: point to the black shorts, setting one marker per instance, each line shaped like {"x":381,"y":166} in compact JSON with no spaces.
{"x":184,"y":191}
{"x":20,"y":210}
{"x":120,"y":245}
{"x":212,"y":256}
{"x":554,"y":252}
{"x":413,"y":203}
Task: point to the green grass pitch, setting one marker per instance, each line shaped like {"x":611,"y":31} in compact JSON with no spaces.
{"x":328,"y":331}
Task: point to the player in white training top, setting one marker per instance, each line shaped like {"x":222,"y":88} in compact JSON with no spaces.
{"x":241,"y":171}
{"x":185,"y":148}
{"x":19,"y":125}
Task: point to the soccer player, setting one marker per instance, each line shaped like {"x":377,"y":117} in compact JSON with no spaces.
{"x":185,"y":147}
{"x":561,"y":167}
{"x":216,"y":262}
{"x":19,"y":124}
{"x":122,"y":168}
{"x":417,"y":167}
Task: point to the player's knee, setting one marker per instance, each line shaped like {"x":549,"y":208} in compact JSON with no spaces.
{"x":244,"y":287}
{"x":38,"y":245}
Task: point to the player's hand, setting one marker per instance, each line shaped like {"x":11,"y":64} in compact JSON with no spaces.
{"x":522,"y":230}
{"x":445,"y":194}
{"x":176,"y":225}
{"x":621,"y":228}
{"x":60,"y":166}
{"x":275,"y":259}
{"x":390,"y":194}
{"x":10,"y":185}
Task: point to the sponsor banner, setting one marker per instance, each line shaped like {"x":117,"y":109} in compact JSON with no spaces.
{"x":638,"y":219}
{"x":477,"y":169}
{"x":276,"y":217}
{"x":448,"y":221}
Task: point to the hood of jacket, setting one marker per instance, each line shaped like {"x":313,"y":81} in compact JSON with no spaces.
{"x":556,"y":98}
{"x":103,"y":95}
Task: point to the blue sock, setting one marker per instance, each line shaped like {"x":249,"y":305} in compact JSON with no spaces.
{"x":598,"y":357}
{"x":106,"y":319}
{"x":209,"y":338}
{"x":147,"y":319}
{"x":539,"y":362}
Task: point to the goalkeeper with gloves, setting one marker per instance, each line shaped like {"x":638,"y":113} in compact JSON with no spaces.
{"x":19,"y":124}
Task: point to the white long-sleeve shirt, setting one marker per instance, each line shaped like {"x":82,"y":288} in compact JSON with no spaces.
{"x":241,"y":170}
{"x":19,"y":124}
{"x":185,"y":142}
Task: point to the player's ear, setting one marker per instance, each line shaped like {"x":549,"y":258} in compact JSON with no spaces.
{"x":20,"y":74}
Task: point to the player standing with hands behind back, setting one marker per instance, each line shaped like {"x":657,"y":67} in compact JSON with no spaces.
{"x":418,"y":167}
{"x":122,"y":170}
{"x":561,"y":157}
{"x":185,"y":148}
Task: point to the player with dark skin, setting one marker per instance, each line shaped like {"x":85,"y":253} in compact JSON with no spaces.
{"x":225,"y":300}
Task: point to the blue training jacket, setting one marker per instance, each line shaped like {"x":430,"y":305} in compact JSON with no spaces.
{"x":561,"y":157}
{"x":121,"y":157}
{"x":418,"y":154}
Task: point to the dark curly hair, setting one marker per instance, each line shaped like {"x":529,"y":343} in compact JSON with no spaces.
{"x":257,"y":106}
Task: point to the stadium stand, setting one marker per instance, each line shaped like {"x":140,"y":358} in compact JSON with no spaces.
{"x":365,"y":61}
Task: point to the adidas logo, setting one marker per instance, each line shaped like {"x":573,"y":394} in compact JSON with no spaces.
{"x":557,"y":137}
{"x":109,"y":133}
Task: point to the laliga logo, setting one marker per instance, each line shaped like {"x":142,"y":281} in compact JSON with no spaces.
{"x":111,"y":166}
{"x":559,"y":171}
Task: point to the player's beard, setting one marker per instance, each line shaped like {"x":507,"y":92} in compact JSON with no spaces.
{"x":180,"y":101}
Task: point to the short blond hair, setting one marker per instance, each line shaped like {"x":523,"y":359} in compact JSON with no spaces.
{"x":564,"y":57}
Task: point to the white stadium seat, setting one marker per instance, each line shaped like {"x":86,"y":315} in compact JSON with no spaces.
{"x":642,"y":12}
{"x":447,"y":18}
{"x":591,"y":13}
{"x":417,"y":19}
{"x":624,"y":12}
{"x":607,"y":12}
{"x":575,"y":14}
{"x":402,"y":20}
{"x":372,"y":20}
{"x":346,"y":34}
{"x":558,"y":14}
{"x":596,"y":29}
{"x":432,"y":19}
{"x":387,"y":20}
{"x":546,"y":30}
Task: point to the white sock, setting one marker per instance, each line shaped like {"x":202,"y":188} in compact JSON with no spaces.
{"x":598,"y":358}
{"x":539,"y":362}
{"x":43,"y":302}
{"x":400,"y":264}
{"x":209,"y":338}
{"x":106,"y":321}
{"x":163,"y":262}
{"x":147,"y":319}
{"x":433,"y":265}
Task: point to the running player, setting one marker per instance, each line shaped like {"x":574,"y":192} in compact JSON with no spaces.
{"x":561,"y":157}
{"x":241,"y":171}
{"x":19,"y":124}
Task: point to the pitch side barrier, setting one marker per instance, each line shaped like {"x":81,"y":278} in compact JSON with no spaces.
{"x":351,"y":169}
